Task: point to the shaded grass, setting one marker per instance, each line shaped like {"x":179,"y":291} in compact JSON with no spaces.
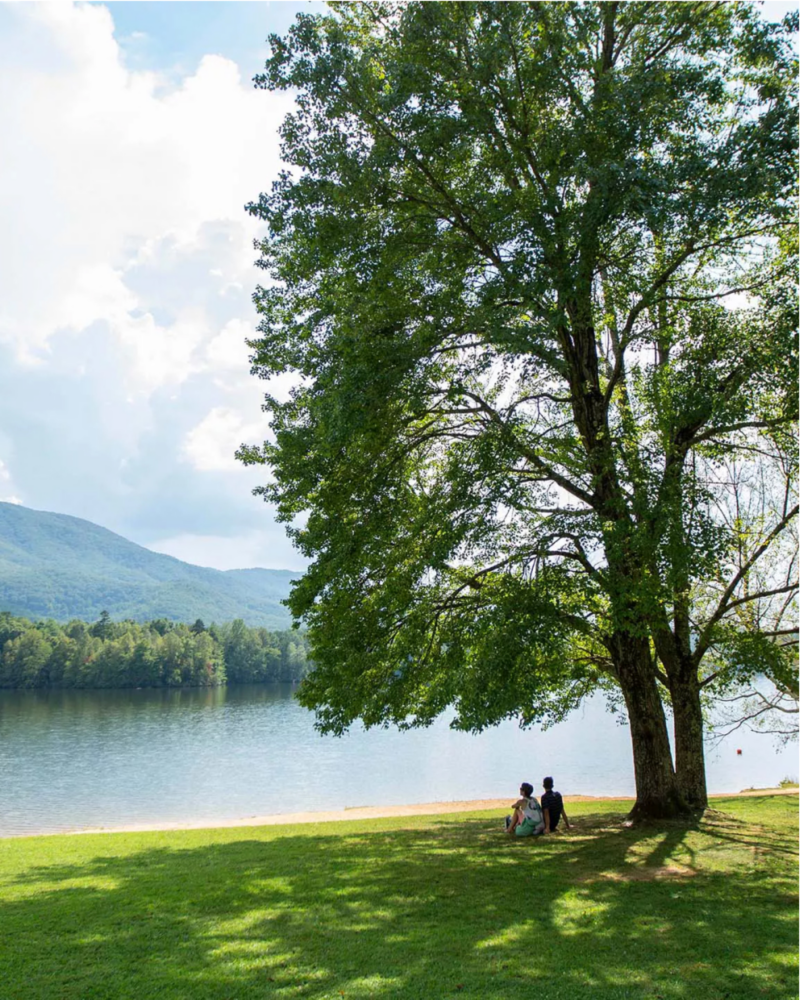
{"x":422,"y":907}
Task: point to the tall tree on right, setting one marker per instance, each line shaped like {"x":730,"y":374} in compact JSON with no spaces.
{"x":531,"y":262}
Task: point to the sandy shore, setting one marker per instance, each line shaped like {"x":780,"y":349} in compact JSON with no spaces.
{"x":374,"y":812}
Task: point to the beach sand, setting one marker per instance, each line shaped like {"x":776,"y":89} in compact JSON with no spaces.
{"x":378,"y":812}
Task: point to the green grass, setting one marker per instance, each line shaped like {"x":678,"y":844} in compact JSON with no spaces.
{"x":428,"y":907}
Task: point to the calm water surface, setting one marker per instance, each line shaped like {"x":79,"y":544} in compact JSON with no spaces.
{"x":78,"y":759}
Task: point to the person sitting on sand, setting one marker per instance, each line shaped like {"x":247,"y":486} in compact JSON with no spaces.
{"x":552,"y":807}
{"x":526,"y":819}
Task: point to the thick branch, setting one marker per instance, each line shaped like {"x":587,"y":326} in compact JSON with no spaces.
{"x":532,"y":456}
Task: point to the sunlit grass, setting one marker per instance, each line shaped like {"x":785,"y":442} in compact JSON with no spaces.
{"x":427,"y":907}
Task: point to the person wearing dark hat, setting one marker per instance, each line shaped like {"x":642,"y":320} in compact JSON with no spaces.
{"x":552,"y":807}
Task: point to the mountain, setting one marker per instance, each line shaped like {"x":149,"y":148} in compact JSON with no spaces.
{"x":62,"y":567}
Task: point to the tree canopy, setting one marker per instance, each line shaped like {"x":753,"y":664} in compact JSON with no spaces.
{"x":531,"y":264}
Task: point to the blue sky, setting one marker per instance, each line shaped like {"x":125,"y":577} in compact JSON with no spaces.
{"x":178,"y":35}
{"x":132,"y":139}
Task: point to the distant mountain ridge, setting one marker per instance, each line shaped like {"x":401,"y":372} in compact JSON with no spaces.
{"x":62,"y":567}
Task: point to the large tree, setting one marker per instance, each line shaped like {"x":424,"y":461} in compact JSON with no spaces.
{"x":528,"y":262}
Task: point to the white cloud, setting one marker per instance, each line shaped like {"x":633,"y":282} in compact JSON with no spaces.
{"x":160,"y":355}
{"x":126,"y":275}
{"x":228,"y":349}
{"x":210,"y":446}
{"x":102,"y":165}
{"x":98,"y":292}
{"x":5,"y":483}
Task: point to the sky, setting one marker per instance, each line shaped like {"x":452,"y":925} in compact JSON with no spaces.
{"x":132,"y":139}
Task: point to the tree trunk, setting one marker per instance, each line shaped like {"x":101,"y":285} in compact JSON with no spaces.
{"x":690,"y":769}
{"x":657,"y":793}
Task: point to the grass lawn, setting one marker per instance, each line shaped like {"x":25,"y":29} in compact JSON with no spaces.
{"x":427,"y":907}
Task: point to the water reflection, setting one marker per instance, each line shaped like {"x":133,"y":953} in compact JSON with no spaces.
{"x":77,"y":759}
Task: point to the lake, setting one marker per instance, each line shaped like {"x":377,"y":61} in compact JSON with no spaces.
{"x":77,"y":759}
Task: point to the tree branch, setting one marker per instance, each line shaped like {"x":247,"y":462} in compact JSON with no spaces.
{"x":724,"y":602}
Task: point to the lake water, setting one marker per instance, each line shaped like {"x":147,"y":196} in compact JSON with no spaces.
{"x":79,"y":759}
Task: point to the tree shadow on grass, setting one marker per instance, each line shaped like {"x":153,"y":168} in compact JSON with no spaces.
{"x":449,"y":910}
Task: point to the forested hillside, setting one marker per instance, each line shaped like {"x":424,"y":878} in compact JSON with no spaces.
{"x":61,"y":567}
{"x":160,"y":653}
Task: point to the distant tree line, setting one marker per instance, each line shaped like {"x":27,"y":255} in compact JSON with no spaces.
{"x":159,"y":653}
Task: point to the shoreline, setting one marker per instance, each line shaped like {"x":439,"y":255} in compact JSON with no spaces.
{"x":355,"y":813}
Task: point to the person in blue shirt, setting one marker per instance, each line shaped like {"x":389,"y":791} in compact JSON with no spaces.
{"x":552,"y":807}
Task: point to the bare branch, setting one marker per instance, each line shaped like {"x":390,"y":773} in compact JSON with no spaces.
{"x":725,"y":601}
